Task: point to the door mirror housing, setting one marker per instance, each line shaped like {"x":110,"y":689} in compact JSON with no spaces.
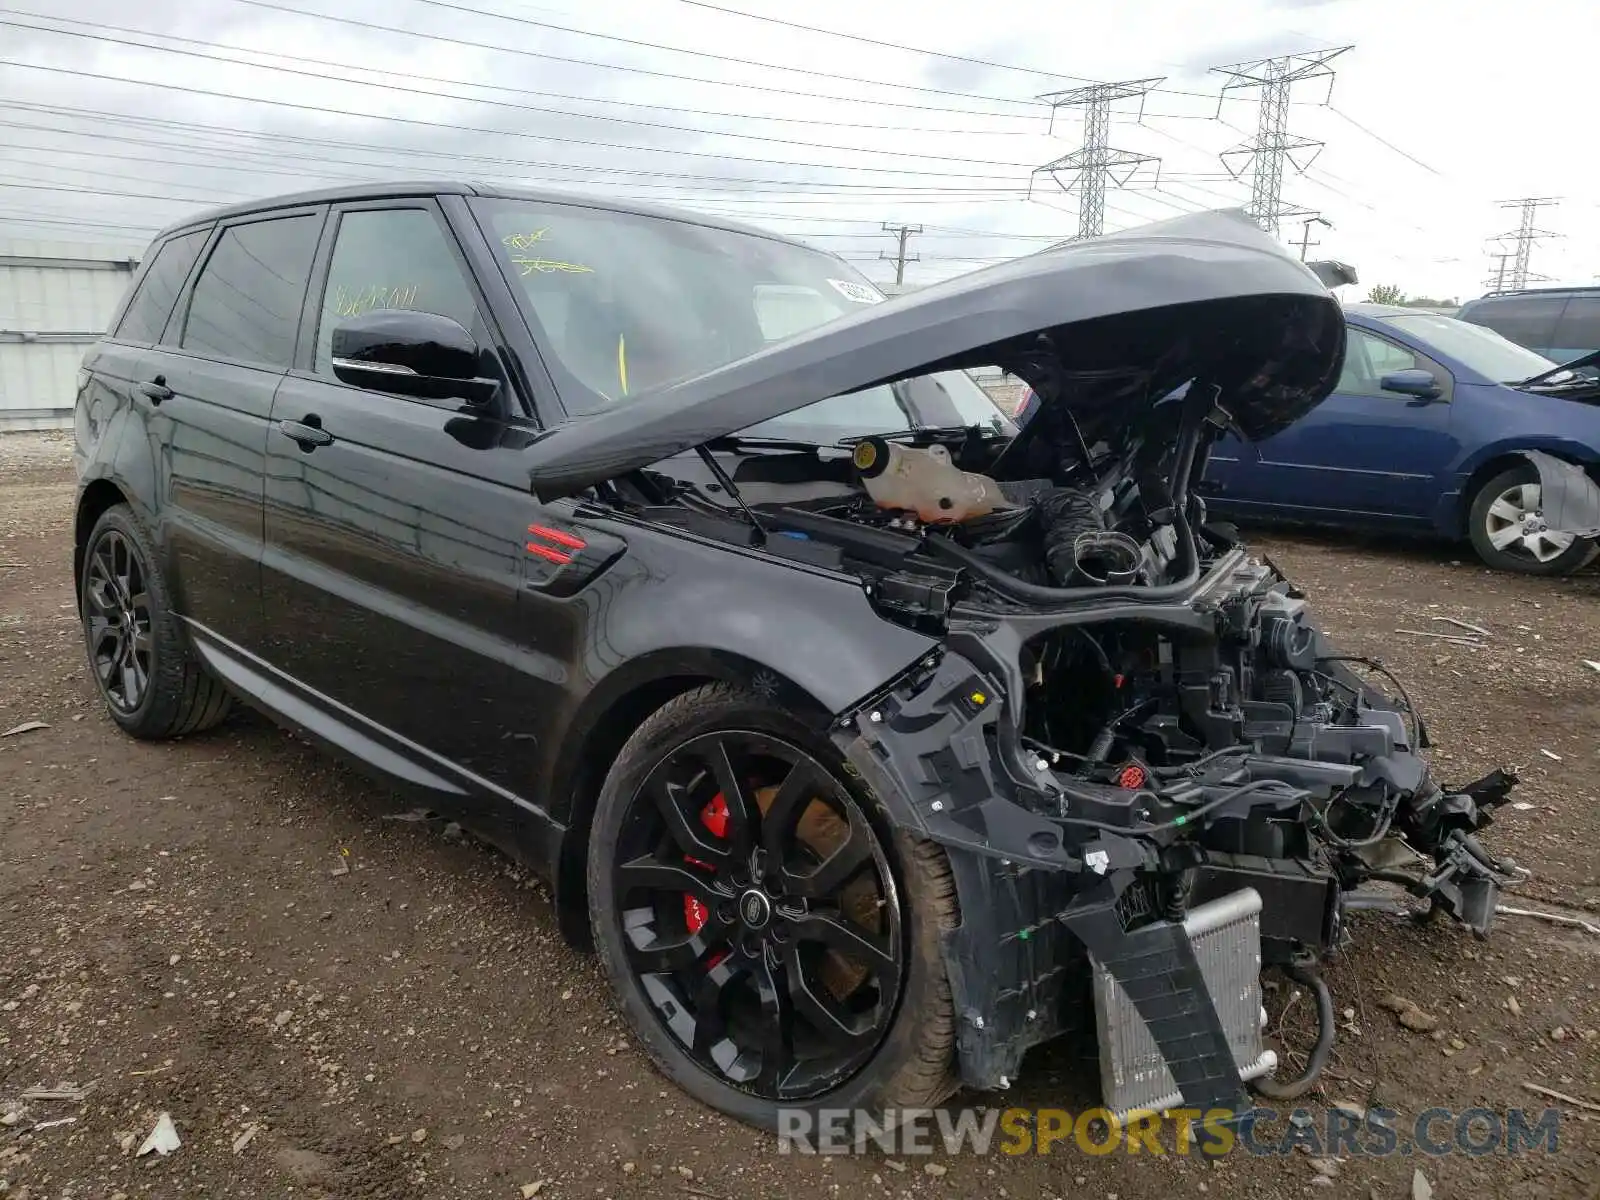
{"x":1414,"y":381}
{"x":410,"y":353}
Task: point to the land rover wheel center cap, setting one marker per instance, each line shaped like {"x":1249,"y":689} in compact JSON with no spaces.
{"x":755,"y":910}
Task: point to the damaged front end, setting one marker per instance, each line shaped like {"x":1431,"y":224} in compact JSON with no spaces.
{"x":1152,"y":774}
{"x":1244,"y":783}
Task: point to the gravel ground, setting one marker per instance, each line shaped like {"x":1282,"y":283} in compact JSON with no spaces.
{"x":332,"y":1003}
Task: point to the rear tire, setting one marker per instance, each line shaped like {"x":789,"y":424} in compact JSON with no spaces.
{"x":152,"y":682}
{"x":1501,"y":509}
{"x":910,"y":1063}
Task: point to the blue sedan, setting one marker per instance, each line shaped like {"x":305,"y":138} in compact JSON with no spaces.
{"x":1423,"y":433}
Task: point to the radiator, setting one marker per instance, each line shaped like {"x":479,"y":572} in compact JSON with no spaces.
{"x":1226,"y":936}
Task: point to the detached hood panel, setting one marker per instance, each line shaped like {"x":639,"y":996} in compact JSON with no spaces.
{"x":1101,"y":330}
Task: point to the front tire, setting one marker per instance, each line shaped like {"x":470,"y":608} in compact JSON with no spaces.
{"x":151,"y":681}
{"x":1506,"y":525}
{"x":772,"y":942}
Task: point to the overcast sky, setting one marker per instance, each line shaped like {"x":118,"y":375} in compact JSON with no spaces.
{"x":1438,"y":112}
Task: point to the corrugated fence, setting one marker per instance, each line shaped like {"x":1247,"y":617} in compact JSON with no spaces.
{"x":55,"y":300}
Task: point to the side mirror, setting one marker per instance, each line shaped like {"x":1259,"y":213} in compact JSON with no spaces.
{"x":410,"y":354}
{"x":1413,"y":381}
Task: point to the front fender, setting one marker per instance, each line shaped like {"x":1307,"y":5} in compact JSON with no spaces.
{"x":676,"y":610}
{"x":680,"y":595}
{"x":1451,"y":517}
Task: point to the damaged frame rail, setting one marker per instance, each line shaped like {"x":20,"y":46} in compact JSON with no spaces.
{"x":1071,"y":890}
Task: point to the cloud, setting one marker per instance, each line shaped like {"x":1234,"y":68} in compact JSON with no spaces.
{"x":852,"y":136}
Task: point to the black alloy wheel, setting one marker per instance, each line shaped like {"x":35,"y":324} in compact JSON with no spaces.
{"x":759,"y":915}
{"x":153,"y":683}
{"x":117,"y":620}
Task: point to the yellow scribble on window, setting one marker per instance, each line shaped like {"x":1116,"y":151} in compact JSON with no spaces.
{"x":547,"y":266}
{"x":352,"y":302}
{"x":521,"y":241}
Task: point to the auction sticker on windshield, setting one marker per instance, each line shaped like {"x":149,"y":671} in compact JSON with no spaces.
{"x":859,"y":292}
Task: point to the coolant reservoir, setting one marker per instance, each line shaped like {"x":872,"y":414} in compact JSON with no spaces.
{"x":925,"y":482}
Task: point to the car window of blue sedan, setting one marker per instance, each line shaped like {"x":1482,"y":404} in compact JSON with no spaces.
{"x":1474,"y":346}
{"x":1367,"y":359}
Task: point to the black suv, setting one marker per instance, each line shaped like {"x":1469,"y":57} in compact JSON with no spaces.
{"x":1562,"y":324}
{"x":873,"y":740}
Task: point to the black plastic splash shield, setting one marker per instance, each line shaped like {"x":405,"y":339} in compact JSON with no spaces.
{"x":1017,"y":976}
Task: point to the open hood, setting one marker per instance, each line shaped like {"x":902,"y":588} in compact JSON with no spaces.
{"x":1101,"y":329}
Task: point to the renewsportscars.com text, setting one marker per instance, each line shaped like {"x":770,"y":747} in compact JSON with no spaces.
{"x":1377,"y":1133}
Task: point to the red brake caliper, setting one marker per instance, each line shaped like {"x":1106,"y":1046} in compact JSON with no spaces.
{"x":714,"y":816}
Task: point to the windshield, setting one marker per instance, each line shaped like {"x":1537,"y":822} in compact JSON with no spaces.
{"x":626,"y":303}
{"x":1474,"y":346}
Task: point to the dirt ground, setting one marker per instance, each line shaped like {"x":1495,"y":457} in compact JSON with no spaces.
{"x":176,"y":923}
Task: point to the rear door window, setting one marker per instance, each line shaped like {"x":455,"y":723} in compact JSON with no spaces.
{"x":1527,"y":320}
{"x":246,"y":303}
{"x":1578,"y":332}
{"x":151,"y":305}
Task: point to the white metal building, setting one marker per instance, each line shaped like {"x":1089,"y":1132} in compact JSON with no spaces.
{"x":56,"y":298}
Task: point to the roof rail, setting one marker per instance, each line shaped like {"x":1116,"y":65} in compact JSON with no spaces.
{"x":1568,"y":287}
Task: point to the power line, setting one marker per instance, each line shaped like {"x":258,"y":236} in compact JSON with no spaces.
{"x":42,"y":187}
{"x":520,"y":91}
{"x":100,"y":115}
{"x":854,"y":37}
{"x":1019,"y":194}
{"x":1406,"y":154}
{"x":748,"y":62}
{"x":605,"y":66}
{"x":962,"y":231}
{"x":220,"y":196}
{"x":385,"y":87}
{"x":991,"y":258}
{"x":377,"y":170}
{"x":786,"y":190}
{"x":55,"y":218}
{"x":1096,"y":161}
{"x":869,"y":41}
{"x":1230,"y":201}
{"x":343,"y":112}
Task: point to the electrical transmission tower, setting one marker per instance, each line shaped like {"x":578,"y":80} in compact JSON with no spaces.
{"x":1497,"y":281}
{"x":900,"y":258}
{"x":1273,"y":144}
{"x":1097,"y":161}
{"x":1522,"y":240}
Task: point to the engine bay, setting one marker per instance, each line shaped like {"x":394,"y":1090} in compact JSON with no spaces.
{"x":1161,"y":687}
